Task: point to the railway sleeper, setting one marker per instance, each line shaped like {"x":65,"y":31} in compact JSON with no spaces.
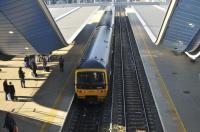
{"x":133,"y":97}
{"x":134,"y":107}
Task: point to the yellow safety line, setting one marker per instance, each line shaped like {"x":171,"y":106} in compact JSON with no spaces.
{"x":58,"y":99}
{"x":53,"y":112}
{"x":180,"y":125}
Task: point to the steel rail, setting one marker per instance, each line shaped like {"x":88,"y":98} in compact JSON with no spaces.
{"x":117,"y":116}
{"x":132,"y":107}
{"x":122,"y":64}
{"x":137,"y":75}
{"x":113,"y":78}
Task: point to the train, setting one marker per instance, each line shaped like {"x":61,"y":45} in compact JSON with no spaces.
{"x":92,"y":74}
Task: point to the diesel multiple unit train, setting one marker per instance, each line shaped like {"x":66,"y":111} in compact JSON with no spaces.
{"x":93,"y":72}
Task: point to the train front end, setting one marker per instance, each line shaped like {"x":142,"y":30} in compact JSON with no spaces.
{"x":91,"y":84}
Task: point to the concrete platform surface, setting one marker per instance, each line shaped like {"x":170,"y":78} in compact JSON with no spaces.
{"x":43,"y":104}
{"x":38,"y":102}
{"x":71,"y":25}
{"x":152,"y":15}
{"x":56,"y":12}
{"x":174,"y":82}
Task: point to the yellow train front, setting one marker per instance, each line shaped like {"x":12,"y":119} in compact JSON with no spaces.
{"x":92,"y":74}
{"x":91,"y":84}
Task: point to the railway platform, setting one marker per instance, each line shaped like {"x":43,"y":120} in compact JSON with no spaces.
{"x":71,"y":20}
{"x":173,"y":79}
{"x":44,"y":103}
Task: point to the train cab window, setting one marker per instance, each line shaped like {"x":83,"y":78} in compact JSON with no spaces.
{"x":91,"y":79}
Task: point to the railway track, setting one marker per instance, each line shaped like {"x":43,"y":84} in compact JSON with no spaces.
{"x":129,"y":105}
{"x":83,"y":118}
{"x":133,"y":107}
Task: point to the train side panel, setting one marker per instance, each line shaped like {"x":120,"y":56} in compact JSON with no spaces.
{"x":95,"y":64}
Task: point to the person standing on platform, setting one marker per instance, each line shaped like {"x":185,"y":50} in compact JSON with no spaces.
{"x":22,"y":77}
{"x":10,"y":123}
{"x":6,"y":89}
{"x":34,"y":68}
{"x":12,"y":91}
{"x":26,"y":61}
{"x":44,"y":62}
{"x":61,"y":64}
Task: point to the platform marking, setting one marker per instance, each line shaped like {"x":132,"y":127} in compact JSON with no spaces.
{"x":66,"y":114}
{"x":199,"y":76}
{"x":181,"y":127}
{"x":58,"y":99}
{"x":81,"y":27}
{"x":65,"y":14}
{"x":147,"y":29}
{"x":160,"y":8}
{"x":82,"y":50}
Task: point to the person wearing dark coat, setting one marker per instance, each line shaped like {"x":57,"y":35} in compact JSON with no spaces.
{"x":61,"y":64}
{"x":22,"y":77}
{"x":26,"y":61}
{"x":6,"y":88}
{"x":34,"y":66}
{"x":9,"y":123}
{"x":12,"y":91}
{"x":44,"y":62}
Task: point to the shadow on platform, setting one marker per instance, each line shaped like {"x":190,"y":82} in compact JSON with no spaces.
{"x":57,"y":86}
{"x":56,"y":82}
{"x":4,"y":57}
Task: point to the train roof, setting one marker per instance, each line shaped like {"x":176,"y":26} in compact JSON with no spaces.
{"x":92,"y":64}
{"x":106,"y":19}
{"x":99,"y":48}
{"x":97,"y":55}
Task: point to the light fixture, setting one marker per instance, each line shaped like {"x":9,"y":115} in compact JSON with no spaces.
{"x":191,"y":25}
{"x":180,"y":42}
{"x":10,"y":32}
{"x":26,"y":50}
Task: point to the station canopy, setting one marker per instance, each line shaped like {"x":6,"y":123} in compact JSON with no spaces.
{"x":180,"y":29}
{"x":27,"y":27}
